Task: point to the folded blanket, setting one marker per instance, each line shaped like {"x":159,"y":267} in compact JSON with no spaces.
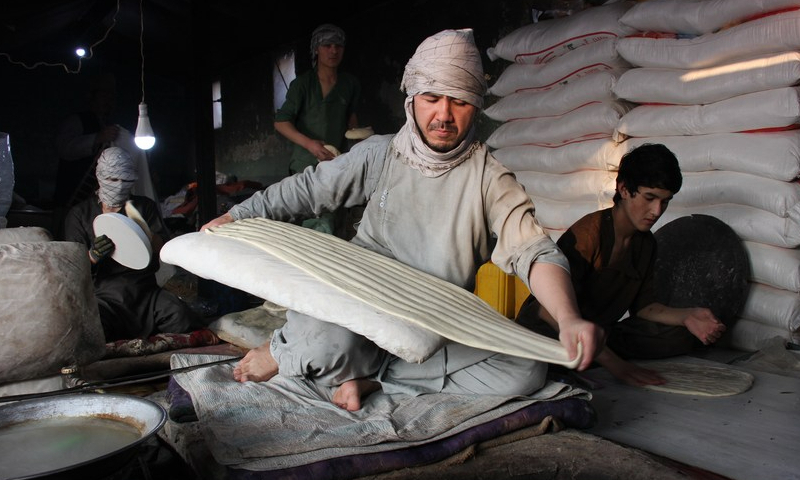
{"x":181,"y":409}
{"x":289,"y":422}
{"x":160,"y":342}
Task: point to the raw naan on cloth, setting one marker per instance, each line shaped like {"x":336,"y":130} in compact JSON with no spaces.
{"x":289,"y":421}
{"x":699,"y":379}
{"x":403,"y":310}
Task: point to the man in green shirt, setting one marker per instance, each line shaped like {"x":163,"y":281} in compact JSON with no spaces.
{"x":319,"y":108}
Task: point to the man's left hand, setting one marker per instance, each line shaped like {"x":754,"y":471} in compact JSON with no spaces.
{"x":588,"y":335}
{"x":102,"y":247}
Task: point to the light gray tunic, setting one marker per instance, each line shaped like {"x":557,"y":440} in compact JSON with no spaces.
{"x":447,"y":226}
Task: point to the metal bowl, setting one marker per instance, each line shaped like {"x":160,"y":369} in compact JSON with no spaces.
{"x":75,"y":436}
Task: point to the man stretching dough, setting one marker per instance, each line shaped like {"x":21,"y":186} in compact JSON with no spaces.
{"x":438,"y":201}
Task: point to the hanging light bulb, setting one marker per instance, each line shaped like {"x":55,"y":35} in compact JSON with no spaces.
{"x":144,"y":136}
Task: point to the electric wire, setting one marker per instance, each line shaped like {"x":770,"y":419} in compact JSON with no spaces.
{"x":80,"y":59}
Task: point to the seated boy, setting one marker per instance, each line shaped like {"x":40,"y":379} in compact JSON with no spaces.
{"x":612,"y":255}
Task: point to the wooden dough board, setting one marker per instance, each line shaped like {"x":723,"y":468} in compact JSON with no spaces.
{"x":753,"y":435}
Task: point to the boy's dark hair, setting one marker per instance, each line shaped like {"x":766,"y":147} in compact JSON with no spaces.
{"x":649,"y":165}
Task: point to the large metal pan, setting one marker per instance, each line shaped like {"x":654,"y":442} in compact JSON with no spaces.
{"x":75,"y":436}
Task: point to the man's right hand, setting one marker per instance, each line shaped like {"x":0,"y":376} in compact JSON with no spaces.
{"x":317,"y":148}
{"x":102,"y":247}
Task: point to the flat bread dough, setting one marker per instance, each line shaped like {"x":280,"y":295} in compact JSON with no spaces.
{"x":133,"y":213}
{"x":359,"y":133}
{"x":700,"y":379}
{"x":335,"y":151}
{"x":395,"y":291}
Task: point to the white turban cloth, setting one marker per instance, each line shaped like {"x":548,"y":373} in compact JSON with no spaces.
{"x":116,"y":174}
{"x":447,"y":63}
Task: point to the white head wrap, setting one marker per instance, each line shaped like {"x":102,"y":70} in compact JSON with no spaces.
{"x":447,"y":63}
{"x":325,"y":34}
{"x":116,"y":174}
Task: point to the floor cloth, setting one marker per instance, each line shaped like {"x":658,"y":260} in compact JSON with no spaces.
{"x":289,"y":428}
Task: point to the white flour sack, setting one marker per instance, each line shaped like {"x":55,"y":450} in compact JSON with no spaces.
{"x":773,"y":306}
{"x":697,"y":16}
{"x":774,"y":266}
{"x":598,"y":57}
{"x":751,"y":336}
{"x":769,"y":109}
{"x":588,"y":155}
{"x":711,"y":188}
{"x":773,"y":155}
{"x":24,"y":235}
{"x":749,"y":223}
{"x":586,"y":185}
{"x":543,"y":41}
{"x":555,"y":101}
{"x":47,"y":309}
{"x":557,"y":215}
{"x":771,"y":34}
{"x":588,"y":122}
{"x":708,"y":85}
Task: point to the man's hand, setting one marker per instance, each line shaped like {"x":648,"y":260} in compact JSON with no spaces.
{"x":102,"y":247}
{"x":627,"y":372}
{"x":317,"y":148}
{"x":221,"y":220}
{"x":552,"y":286}
{"x":590,"y":336}
{"x":704,"y":325}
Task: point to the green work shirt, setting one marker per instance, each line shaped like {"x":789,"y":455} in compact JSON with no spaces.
{"x":316,"y":117}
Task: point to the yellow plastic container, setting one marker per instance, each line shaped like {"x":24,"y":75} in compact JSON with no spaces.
{"x":505,"y":293}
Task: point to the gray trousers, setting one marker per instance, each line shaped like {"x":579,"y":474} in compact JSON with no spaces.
{"x":330,"y":355}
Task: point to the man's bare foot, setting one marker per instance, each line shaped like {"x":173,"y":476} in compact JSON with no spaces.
{"x":349,"y":394}
{"x":258,"y":365}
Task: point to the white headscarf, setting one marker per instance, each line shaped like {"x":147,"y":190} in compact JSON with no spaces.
{"x":447,"y":63}
{"x":116,"y":174}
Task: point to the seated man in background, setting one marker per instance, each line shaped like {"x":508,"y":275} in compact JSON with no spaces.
{"x":131,"y":303}
{"x":612,"y":255}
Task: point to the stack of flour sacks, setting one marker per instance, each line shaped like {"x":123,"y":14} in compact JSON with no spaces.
{"x":713,"y":80}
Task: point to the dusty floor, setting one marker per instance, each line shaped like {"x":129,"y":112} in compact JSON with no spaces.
{"x":569,"y":454}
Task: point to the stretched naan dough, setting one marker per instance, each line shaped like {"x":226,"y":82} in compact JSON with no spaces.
{"x":359,"y":133}
{"x":335,"y":151}
{"x":400,"y":296}
{"x":700,"y":379}
{"x":133,"y":213}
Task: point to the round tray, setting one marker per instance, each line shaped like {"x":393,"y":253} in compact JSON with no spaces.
{"x":132,"y":246}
